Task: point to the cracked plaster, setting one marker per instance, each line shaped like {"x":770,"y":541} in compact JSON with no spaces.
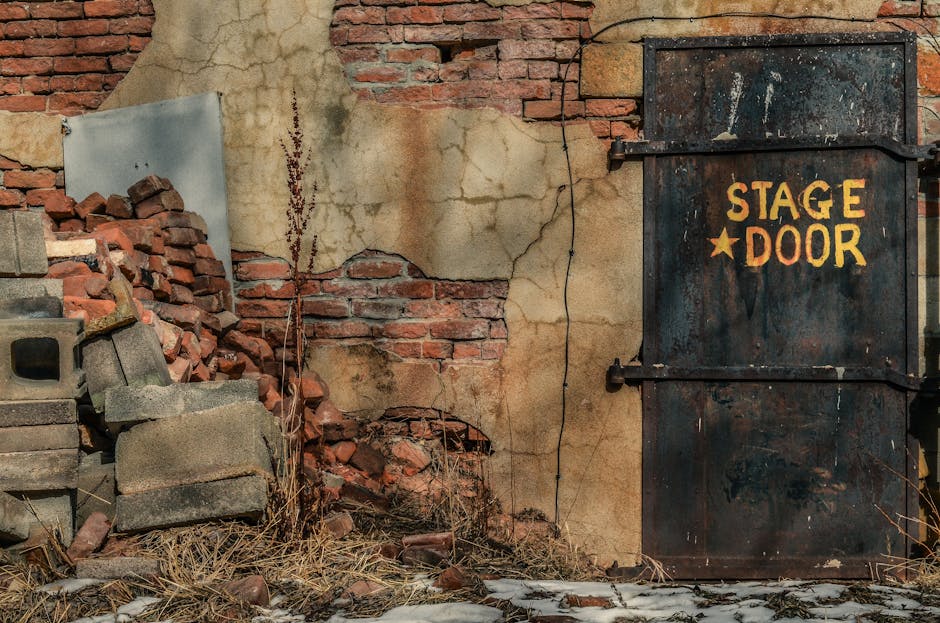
{"x":32,"y":139}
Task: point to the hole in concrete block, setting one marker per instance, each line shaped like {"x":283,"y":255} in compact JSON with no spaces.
{"x":35,"y":358}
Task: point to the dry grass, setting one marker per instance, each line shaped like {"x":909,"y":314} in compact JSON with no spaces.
{"x":311,"y":571}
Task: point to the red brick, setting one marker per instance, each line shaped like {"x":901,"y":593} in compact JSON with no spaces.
{"x":68,"y":268}
{"x":11,"y":48}
{"x":414,"y":15}
{"x":181,"y":295}
{"x":13,"y":10}
{"x":56,"y":10}
{"x":209,"y":285}
{"x":68,"y":103}
{"x":43,"y":178}
{"x":374,"y":269}
{"x":325,"y":308}
{"x":530,"y":49}
{"x":252,"y":271}
{"x":350,"y":328}
{"x":482,"y":70}
{"x":101,"y":45}
{"x":122,"y":62}
{"x":410,"y":94}
{"x":256,"y":348}
{"x":49,"y":47}
{"x":377,"y":309}
{"x":79,"y":65}
{"x":472,"y":289}
{"x":498,"y":329}
{"x":92,"y":204}
{"x":460,"y":329}
{"x":113,"y":238}
{"x":430,"y":54}
{"x":131,"y":26}
{"x":74,"y":286}
{"x":491,"y":31}
{"x":182,"y":275}
{"x":431,"y":309}
{"x":609,"y":108}
{"x":433,"y":34}
{"x":11,"y":198}
{"x":488,"y":89}
{"x":550,"y":29}
{"x":339,"y":36}
{"x":570,"y":10}
{"x":425,"y":74}
{"x":543,"y":69}
{"x":380,"y":74}
{"x":348,"y":287}
{"x":359,"y":15}
{"x":477,"y":12}
{"x":623,"y":129}
{"x":403,"y":330}
{"x":110,"y":8}
{"x":25,"y":66}
{"x":410,"y":289}
{"x":82,"y":28}
{"x":180,"y":256}
{"x":467,"y":350}
{"x":88,"y":309}
{"x":203,"y":250}
{"x":56,"y":203}
{"x":369,"y":34}
{"x":486,"y":308}
{"x":30,"y":28}
{"x":512,"y":69}
{"x":899,"y":7}
{"x":262,"y":309}
{"x":71,"y":225}
{"x":137,"y":43}
{"x":437,"y":350}
{"x":208,"y":266}
{"x":36,"y":85}
{"x":405,"y":350}
{"x":532,"y":10}
{"x":359,"y":54}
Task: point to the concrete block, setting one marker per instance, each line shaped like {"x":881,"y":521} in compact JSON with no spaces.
{"x":37,"y":412}
{"x":30,"y":288}
{"x":103,"y":369}
{"x":39,"y":359}
{"x":126,"y":406}
{"x":179,"y":506}
{"x":30,"y":438}
{"x":15,"y":519}
{"x":96,"y":490}
{"x":141,"y":355}
{"x":32,"y":307}
{"x":45,"y":470}
{"x":26,"y":256}
{"x":612,"y":70}
{"x":53,"y":510}
{"x":225,"y":442}
{"x":117,"y":568}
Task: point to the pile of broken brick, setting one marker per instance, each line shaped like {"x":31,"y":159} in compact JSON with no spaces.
{"x":129,"y":396}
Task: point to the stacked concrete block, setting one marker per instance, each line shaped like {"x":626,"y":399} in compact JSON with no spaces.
{"x":20,"y":231}
{"x":130,"y":356}
{"x":190,"y":453}
{"x":39,"y":463}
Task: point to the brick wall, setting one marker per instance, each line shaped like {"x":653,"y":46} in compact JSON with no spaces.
{"x":22,"y":186}
{"x":66,"y":56}
{"x":433,"y":53}
{"x":377,"y":298}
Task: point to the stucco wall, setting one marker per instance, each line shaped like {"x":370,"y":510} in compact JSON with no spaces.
{"x":476,"y":194}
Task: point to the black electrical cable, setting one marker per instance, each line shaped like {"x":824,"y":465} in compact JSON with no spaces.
{"x":564,"y":146}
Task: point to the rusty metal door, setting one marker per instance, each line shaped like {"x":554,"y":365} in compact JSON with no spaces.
{"x":780,"y":338}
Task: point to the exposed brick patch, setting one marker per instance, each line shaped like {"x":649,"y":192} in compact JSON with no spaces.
{"x":433,"y":53}
{"x":380,"y":298}
{"x":66,"y":56}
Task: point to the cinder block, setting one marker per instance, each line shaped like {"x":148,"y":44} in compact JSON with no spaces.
{"x":53,"y":510}
{"x":96,"y":491}
{"x":33,"y":307}
{"x":39,"y":359}
{"x":225,"y":442}
{"x":26,"y":256}
{"x":179,"y":506}
{"x":103,"y":369}
{"x":46,"y":470}
{"x":15,"y":519}
{"x":32,"y":438}
{"x":37,"y":412}
{"x":30,"y":288}
{"x":126,"y":406}
{"x":138,"y":348}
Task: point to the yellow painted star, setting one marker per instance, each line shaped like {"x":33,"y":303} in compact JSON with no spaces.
{"x":723,"y":244}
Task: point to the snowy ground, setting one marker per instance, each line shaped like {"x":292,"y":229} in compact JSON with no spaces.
{"x":567,"y":602}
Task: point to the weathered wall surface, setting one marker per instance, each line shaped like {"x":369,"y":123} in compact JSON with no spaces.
{"x":438,"y":147}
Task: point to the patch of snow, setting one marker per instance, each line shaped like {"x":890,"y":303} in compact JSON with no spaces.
{"x":432,"y":613}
